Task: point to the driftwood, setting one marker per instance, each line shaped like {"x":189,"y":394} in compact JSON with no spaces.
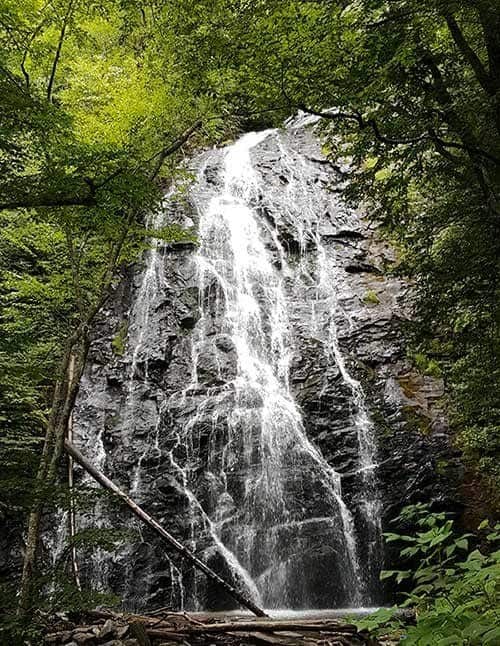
{"x":271,"y":625}
{"x":139,"y":631}
{"x":151,"y":522}
{"x":174,"y":628}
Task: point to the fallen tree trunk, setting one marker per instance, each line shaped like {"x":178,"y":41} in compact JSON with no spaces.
{"x":155,"y":526}
{"x":270,"y":625}
{"x":257,"y":626}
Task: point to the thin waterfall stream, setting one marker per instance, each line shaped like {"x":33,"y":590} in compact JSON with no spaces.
{"x":211,"y":425}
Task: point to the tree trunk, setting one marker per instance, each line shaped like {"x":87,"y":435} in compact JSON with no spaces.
{"x":57,"y":56}
{"x":156,"y":527}
{"x":271,"y":625}
{"x":64,"y":397}
{"x":72,"y":513}
{"x":63,"y":400}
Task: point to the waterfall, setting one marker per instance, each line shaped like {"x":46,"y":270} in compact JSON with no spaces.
{"x":213,"y":421}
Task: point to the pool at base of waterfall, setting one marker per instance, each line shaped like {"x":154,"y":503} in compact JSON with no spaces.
{"x":287,"y":613}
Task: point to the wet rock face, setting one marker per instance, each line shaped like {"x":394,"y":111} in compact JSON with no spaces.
{"x":171,"y":423}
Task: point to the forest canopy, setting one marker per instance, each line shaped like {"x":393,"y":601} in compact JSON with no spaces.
{"x":101,"y":101}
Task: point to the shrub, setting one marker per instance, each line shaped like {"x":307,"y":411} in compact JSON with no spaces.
{"x":455,"y":586}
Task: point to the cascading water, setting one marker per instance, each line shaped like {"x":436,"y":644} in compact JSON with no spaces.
{"x":209,"y":420}
{"x":152,"y":284}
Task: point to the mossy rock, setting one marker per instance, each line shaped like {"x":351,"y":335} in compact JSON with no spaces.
{"x":119,"y":342}
{"x":426,"y":365}
{"x":384,"y":430}
{"x":442,"y":467}
{"x":417,"y":423}
{"x":370,"y":297}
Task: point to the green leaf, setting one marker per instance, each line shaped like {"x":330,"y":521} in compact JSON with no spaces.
{"x":475,"y":629}
{"x":492,"y":637}
{"x":370,"y":162}
{"x":391,"y":538}
{"x":382,"y":174}
{"x":409,"y":551}
{"x":387,"y":574}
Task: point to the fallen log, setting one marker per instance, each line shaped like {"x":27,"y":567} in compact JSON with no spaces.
{"x":257,"y":626}
{"x":271,"y":625}
{"x":155,"y":526}
{"x":180,"y":628}
{"x":182,"y":622}
{"x":138,"y":630}
{"x":261,"y":638}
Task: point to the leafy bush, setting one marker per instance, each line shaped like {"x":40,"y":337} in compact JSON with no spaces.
{"x":427,"y":366}
{"x":455,"y":586}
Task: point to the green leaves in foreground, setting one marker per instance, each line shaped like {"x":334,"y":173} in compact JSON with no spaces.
{"x":455,"y":587}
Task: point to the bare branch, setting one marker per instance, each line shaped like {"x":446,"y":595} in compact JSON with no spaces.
{"x":159,"y":529}
{"x":42,"y":201}
{"x":363,"y":123}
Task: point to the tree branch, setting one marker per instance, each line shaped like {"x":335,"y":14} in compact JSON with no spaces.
{"x":172,"y":148}
{"x":469,"y":54}
{"x":13,"y":80}
{"x":57,"y":56}
{"x":27,"y":192}
{"x":395,"y":16}
{"x":489,"y":17}
{"x":27,"y":50}
{"x":35,"y":191}
{"x":363,"y":123}
{"x":105,"y":482}
{"x":42,"y":201}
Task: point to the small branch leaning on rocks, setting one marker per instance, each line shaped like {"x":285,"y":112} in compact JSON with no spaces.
{"x":165,"y":628}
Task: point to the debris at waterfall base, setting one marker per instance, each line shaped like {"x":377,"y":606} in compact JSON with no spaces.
{"x":166,"y":628}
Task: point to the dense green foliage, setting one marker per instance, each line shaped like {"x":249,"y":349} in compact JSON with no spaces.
{"x":94,"y":118}
{"x":100,"y":101}
{"x":454,"y":585}
{"x":89,"y":109}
